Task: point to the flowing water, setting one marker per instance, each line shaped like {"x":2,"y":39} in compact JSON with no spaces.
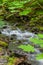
{"x":21,"y":35}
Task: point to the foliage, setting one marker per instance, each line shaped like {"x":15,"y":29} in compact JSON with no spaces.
{"x":38,"y":40}
{"x":40,"y":36}
{"x":33,"y":9}
{"x":26,"y":11}
{"x":27,"y":14}
{"x":27,"y":48}
{"x":2,"y":23}
{"x":39,"y":56}
{"x":24,"y":7}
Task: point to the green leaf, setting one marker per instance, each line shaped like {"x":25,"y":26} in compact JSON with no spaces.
{"x":2,"y":23}
{"x":26,"y":11}
{"x":27,"y":48}
{"x":37,"y":41}
{"x":39,"y":12}
{"x":40,"y":36}
{"x":39,"y":56}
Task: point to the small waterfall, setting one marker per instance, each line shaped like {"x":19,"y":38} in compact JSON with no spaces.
{"x":22,"y":35}
{"x":19,"y":34}
{"x":40,"y":62}
{"x":37,"y":51}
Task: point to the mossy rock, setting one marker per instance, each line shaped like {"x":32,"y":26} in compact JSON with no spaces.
{"x":1,"y":49}
{"x":4,"y":44}
{"x":11,"y":61}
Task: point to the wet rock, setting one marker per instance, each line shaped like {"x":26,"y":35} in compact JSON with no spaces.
{"x":41,"y":49}
{"x":1,"y":51}
{"x":19,"y":61}
{"x":24,"y":63}
{"x":0,"y":32}
{"x":2,"y":61}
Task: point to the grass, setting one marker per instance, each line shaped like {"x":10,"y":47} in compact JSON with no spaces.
{"x":27,"y":48}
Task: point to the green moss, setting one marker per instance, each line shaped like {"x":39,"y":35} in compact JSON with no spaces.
{"x":39,"y":56}
{"x":41,"y":28}
{"x":11,"y":61}
{"x":4,"y":44}
{"x":37,"y":41}
{"x":27,"y":48}
{"x":1,"y":48}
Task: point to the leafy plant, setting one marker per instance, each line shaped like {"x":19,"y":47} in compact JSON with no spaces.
{"x":37,"y":41}
{"x":2,"y":23}
{"x":39,"y":56}
{"x":26,"y":11}
{"x":27,"y":48}
{"x":40,"y":36}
